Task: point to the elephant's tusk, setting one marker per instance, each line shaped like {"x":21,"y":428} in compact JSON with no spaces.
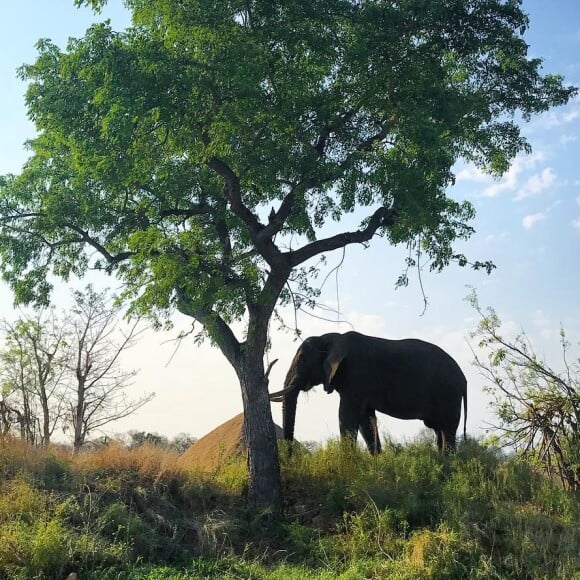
{"x":277,"y":399}
{"x":279,"y":394}
{"x":270,"y":367}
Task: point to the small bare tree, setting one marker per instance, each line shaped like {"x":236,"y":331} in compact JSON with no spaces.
{"x":63,"y":370}
{"x":33,"y":368}
{"x":98,"y":386}
{"x":538,"y":408}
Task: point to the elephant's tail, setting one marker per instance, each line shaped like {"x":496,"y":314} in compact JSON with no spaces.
{"x":465,"y":414}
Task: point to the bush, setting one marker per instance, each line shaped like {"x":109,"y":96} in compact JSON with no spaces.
{"x":538,"y":408}
{"x":42,"y":548}
{"x":444,"y":553}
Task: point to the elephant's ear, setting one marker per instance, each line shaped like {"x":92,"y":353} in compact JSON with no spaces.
{"x":332,"y":363}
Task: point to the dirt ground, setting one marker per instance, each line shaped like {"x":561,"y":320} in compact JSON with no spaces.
{"x":218,"y":445}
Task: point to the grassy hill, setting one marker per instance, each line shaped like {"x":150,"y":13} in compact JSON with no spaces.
{"x":120,"y":513}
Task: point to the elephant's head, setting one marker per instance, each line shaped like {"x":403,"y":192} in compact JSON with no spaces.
{"x":316,"y":362}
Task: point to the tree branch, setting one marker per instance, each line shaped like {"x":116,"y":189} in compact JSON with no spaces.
{"x":215,"y":326}
{"x":234,"y":195}
{"x":331,"y":128}
{"x":263,"y":243}
{"x":381,"y":218}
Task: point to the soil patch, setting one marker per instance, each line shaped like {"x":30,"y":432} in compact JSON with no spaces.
{"x":218,"y":446}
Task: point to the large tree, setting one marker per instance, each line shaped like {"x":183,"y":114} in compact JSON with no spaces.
{"x":199,"y":154}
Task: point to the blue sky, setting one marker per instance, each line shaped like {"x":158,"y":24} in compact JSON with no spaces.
{"x":528,"y":223}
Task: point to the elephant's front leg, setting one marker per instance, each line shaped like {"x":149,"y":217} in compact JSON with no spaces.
{"x":349,"y":417}
{"x":370,"y":432}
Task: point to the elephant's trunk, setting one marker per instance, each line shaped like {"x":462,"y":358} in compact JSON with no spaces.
{"x":289,"y":398}
{"x":289,"y":413}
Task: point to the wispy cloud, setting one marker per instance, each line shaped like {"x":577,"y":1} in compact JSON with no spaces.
{"x":472,"y":173}
{"x":509,"y":182}
{"x":540,"y":319}
{"x":531,"y":220}
{"x":566,"y":139}
{"x":536,"y":184}
{"x":496,"y":238}
{"x":560,"y":118}
{"x":576,"y":222}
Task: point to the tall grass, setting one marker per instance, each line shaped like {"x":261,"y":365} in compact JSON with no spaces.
{"x":407,"y":513}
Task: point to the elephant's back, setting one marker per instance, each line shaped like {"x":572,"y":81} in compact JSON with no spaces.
{"x":431,"y":355}
{"x":409,"y":355}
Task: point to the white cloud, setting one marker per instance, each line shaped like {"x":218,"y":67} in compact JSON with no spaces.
{"x":576,"y":223}
{"x":472,"y":173}
{"x":540,"y":319}
{"x":565,"y":139}
{"x":578,"y":199}
{"x":536,"y":184}
{"x":496,"y":238}
{"x":530,"y":220}
{"x":509,"y":181}
{"x":553,"y":119}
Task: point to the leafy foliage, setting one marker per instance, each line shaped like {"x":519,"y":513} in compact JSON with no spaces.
{"x":161,"y":150}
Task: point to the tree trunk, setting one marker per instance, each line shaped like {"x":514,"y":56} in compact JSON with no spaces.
{"x":260,"y":436}
{"x":45,"y":416}
{"x":78,"y":417}
{"x":247,"y":359}
{"x":5,"y":419}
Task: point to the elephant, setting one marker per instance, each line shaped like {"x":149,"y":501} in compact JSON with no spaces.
{"x":407,"y":379}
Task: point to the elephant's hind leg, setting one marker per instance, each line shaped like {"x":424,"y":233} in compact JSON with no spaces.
{"x":370,"y":432}
{"x":449,"y":439}
{"x":440,"y":440}
{"x":438,"y":432}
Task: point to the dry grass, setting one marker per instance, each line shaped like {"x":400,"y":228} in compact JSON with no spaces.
{"x":16,"y":456}
{"x":147,"y":460}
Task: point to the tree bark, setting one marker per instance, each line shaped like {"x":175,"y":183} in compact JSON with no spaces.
{"x":265,"y":491}
{"x":78,"y":410}
{"x":46,"y":431}
{"x":247,"y":359}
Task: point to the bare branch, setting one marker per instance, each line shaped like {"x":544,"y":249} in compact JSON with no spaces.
{"x":383,"y":217}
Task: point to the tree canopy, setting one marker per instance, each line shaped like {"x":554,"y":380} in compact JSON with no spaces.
{"x":200,"y":154}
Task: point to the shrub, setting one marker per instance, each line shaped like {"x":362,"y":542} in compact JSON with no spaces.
{"x":443,"y":553}
{"x":538,"y":408}
{"x":42,"y":548}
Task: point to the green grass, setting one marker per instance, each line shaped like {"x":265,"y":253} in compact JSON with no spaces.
{"x":408,"y":513}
